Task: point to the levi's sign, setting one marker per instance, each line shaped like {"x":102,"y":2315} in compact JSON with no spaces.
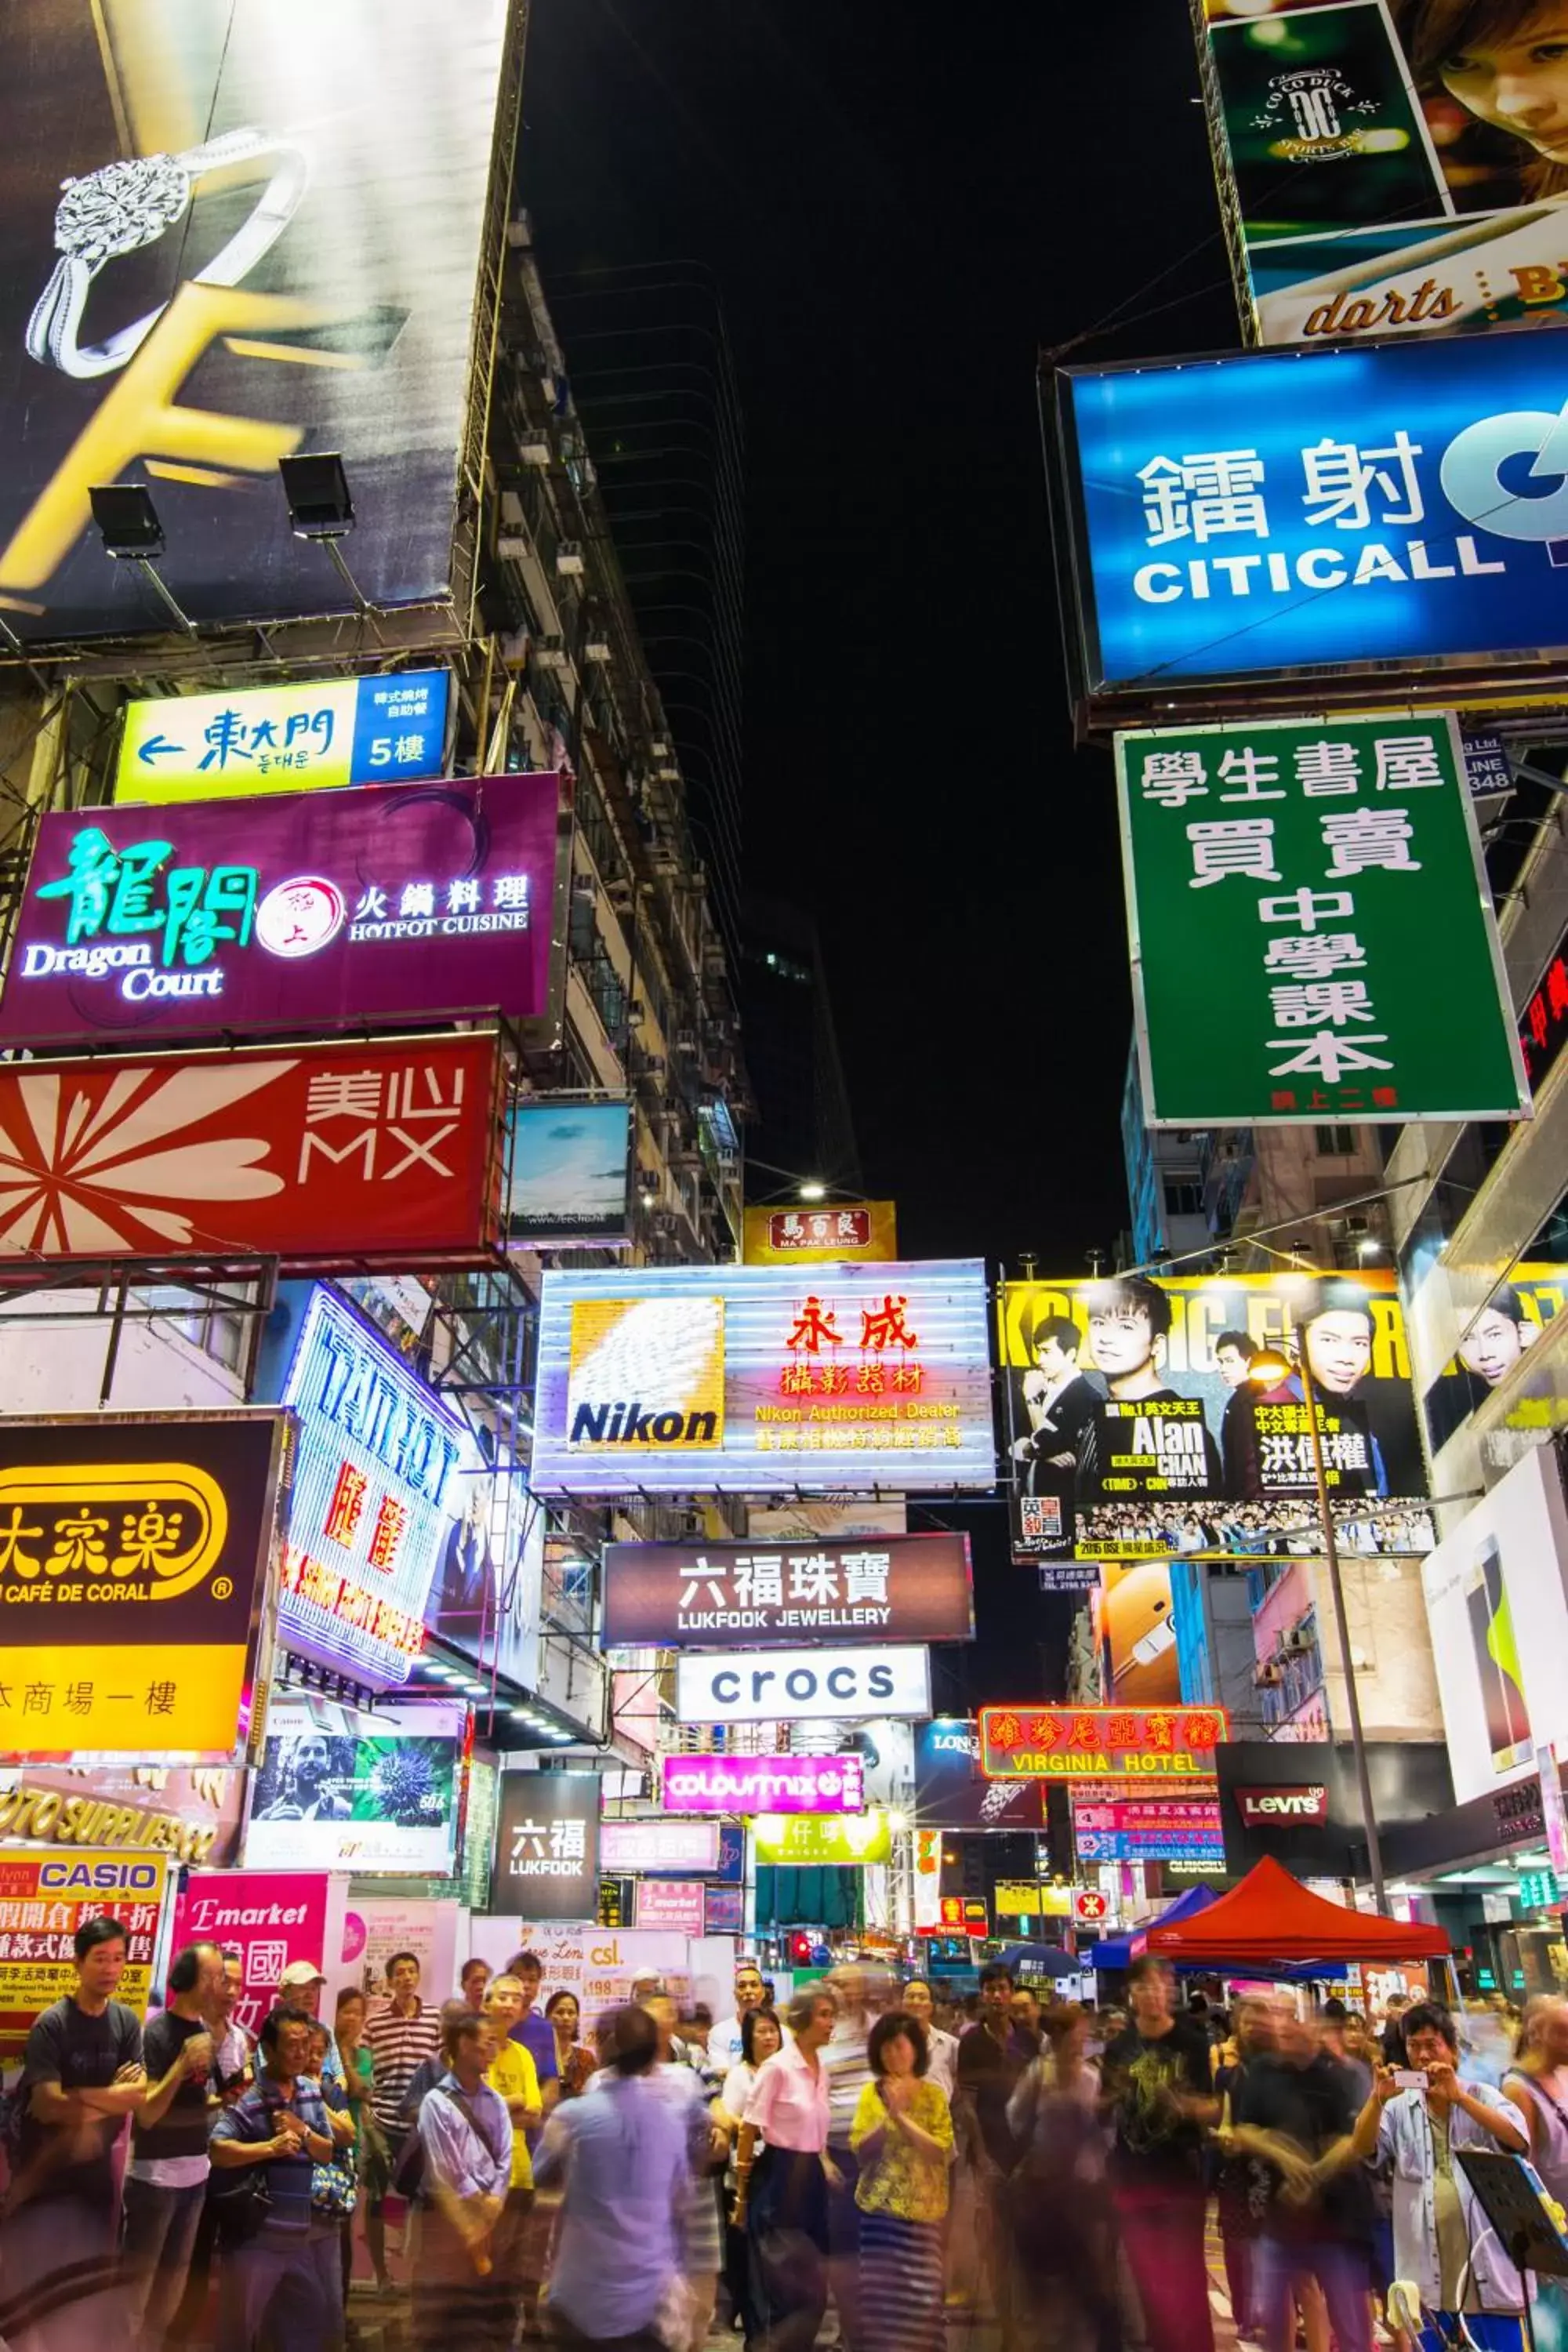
{"x":798,"y":1686}
{"x":907,"y":1588}
{"x":763,"y":1784}
{"x":1261,"y":1808}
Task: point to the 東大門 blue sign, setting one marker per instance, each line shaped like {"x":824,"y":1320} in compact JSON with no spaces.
{"x":1240,"y":518}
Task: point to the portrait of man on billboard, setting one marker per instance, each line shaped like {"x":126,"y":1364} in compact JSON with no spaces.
{"x":1129,"y":1328}
{"x":1496,"y":1336}
{"x":1334,"y":1330}
{"x":1060,"y":1403}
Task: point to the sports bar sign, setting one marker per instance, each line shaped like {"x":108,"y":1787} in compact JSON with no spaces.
{"x":301,"y":910}
{"x":1331,"y":871}
{"x":701,"y":1596}
{"x":1101,"y":1743}
{"x":315,"y":1155}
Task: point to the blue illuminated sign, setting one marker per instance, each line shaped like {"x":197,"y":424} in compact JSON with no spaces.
{"x":1242,"y":516}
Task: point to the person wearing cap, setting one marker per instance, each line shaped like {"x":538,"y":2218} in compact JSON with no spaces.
{"x":300,"y":1988}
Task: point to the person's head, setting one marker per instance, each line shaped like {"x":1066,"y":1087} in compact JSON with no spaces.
{"x":995,"y":1994}
{"x":563,"y":2011}
{"x":299,"y":1987}
{"x":230,"y":1986}
{"x":1233,"y":1353}
{"x":1504,"y":61}
{"x":101,"y":1947}
{"x":1198,"y":2007}
{"x":1025,"y":2011}
{"x":308,"y":1760}
{"x":402,"y":1977}
{"x":320,"y":2042}
{"x":853,"y":1988}
{"x":503,"y":2001}
{"x":1496,"y":1336}
{"x":811,"y":2017}
{"x":348,"y":2019}
{"x":748,"y":1988}
{"x":1252,"y":2024}
{"x":1334,"y":1320}
{"x":647,"y":1986}
{"x":897,"y":2044}
{"x":761,"y":2035}
{"x":468,"y":2042}
{"x":286,"y":2042}
{"x":662,"y":2009}
{"x":1295,"y":2039}
{"x":1064,"y":2027}
{"x":1150,"y":1990}
{"x":1394,"y":2006}
{"x":1054,"y":1344}
{"x":1429,"y":2036}
{"x":1128,"y":1321}
{"x":627,"y":2039}
{"x":475,"y":1977}
{"x":194,"y":1975}
{"x":528,"y":1969}
{"x":916,"y":1997}
{"x":1543,"y":2031}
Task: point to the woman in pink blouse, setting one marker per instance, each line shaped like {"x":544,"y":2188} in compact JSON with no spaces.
{"x":782,"y":2201}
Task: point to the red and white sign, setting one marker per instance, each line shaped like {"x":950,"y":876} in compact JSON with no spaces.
{"x":314,"y":1155}
{"x":1089,"y":1907}
{"x":965,"y":1915}
{"x":1263,"y":1809}
{"x":675,"y":1905}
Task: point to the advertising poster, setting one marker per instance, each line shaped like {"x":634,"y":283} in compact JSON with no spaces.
{"x":1252,"y":516}
{"x":952,"y":1793}
{"x":316,"y":1156}
{"x":1389,"y":180}
{"x":317,"y":734}
{"x":752,"y":1380}
{"x":677,"y":1905}
{"x":269,"y":1918}
{"x":600,"y":1965}
{"x":1102,"y":1743}
{"x":568,"y":1175}
{"x":547,"y":1845}
{"x":685,"y":1848}
{"x":762,"y":1784}
{"x":1334,"y":872}
{"x":385,"y":1473}
{"x":336,"y":1790}
{"x":809,"y":1840}
{"x":723,"y":1910}
{"x":378,"y":1926}
{"x":303,"y":910}
{"x":845,"y":1233}
{"x":189,"y":1812}
{"x":1132,"y":1406}
{"x":134,"y":1577}
{"x":241,"y":231}
{"x":1498,"y":1607}
{"x":672,"y":1596}
{"x":1135,"y":1633}
{"x":802,"y":1685}
{"x":1497,"y":1331}
{"x":1148,"y":1829}
{"x":44,"y":1899}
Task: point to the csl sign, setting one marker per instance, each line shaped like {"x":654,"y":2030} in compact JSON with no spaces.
{"x":1264,"y":1808}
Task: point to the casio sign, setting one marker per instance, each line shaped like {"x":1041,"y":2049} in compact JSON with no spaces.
{"x":1263,"y":1808}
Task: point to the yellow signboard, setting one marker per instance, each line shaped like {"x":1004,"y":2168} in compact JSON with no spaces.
{"x":315,"y":734}
{"x":846,"y":1230}
{"x":814,"y":1839}
{"x":44,"y":1898}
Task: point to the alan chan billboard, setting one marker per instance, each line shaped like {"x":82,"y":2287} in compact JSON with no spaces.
{"x":748,"y":1379}
{"x":303,"y":910}
{"x":238,"y":232}
{"x":1249,"y":517}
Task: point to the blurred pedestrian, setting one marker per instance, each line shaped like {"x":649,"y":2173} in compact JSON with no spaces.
{"x":463,"y":2299}
{"x":575,"y":2062}
{"x":941,"y":2047}
{"x":367,"y":2150}
{"x":534,"y":2031}
{"x":513,"y":2076}
{"x":166,"y":2177}
{"x":707,"y":2148}
{"x":761,"y":2036}
{"x":1064,"y":2273}
{"x":1023,"y":2012}
{"x":848,"y":2070}
{"x":1158,"y":2092}
{"x":902,"y":2139}
{"x":281,"y":2277}
{"x":989,"y":2066}
{"x":1241,"y":2181}
{"x":782,"y":2200}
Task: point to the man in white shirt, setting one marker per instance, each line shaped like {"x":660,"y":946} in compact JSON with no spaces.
{"x":724,"y":2044}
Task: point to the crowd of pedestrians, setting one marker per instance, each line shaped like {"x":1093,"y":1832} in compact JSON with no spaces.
{"x":877,"y":2160}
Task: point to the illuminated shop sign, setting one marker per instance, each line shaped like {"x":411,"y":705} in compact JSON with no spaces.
{"x":862,"y":1229}
{"x":763,"y":1784}
{"x":907,"y":1588}
{"x":1164,"y":1828}
{"x":1102,"y":1743}
{"x":284,"y":739}
{"x":800,"y":1686}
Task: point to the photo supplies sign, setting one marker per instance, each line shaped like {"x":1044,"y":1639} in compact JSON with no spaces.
{"x":904,"y":1587}
{"x":547,"y":1845}
{"x":284,"y":739}
{"x":1322,"y":881}
{"x":134,"y":1613}
{"x":802,"y":1686}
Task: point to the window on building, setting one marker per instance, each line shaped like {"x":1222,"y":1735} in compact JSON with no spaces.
{"x":1335,"y":1142}
{"x":1183,"y":1197}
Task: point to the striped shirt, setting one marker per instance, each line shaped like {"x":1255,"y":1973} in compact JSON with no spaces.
{"x":398,"y":2045}
{"x":848,"y":2070}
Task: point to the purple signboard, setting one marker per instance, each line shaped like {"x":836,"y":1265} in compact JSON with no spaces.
{"x":763,"y":1784}
{"x":294,"y":910}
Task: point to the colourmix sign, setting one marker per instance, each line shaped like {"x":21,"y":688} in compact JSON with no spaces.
{"x":298,"y":911}
{"x":746,"y":1379}
{"x":905,"y":1588}
{"x":763,"y":1784}
{"x":1332,"y":872}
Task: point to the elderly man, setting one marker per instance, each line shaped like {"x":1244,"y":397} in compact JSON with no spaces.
{"x":724,"y":2045}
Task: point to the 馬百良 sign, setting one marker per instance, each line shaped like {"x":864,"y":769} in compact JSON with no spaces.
{"x":1322,"y":881}
{"x":284,"y":739}
{"x":1101,"y":1743}
{"x":701,"y":1596}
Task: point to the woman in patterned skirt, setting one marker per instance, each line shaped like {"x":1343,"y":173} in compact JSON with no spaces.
{"x":902,"y":2133}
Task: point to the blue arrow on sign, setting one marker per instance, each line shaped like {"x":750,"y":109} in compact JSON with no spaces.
{"x":158,"y":747}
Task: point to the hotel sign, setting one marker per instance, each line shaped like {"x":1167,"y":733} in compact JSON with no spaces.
{"x":1101,"y":1743}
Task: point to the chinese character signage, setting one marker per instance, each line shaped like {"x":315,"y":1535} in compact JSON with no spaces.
{"x":763,"y":1784}
{"x":283,"y":739}
{"x":568,"y":1175}
{"x":384,"y":1476}
{"x":1313,"y":936}
{"x":1385,"y":182}
{"x":654,"y":1845}
{"x":846,"y":1231}
{"x":1101,"y":1743}
{"x":802,"y":1685}
{"x":332,"y":1793}
{"x":1543,"y":1024}
{"x":674,"y":1904}
{"x":314,"y":1155}
{"x":1254,"y":515}
{"x":952,"y":1795}
{"x":1132,"y":1404}
{"x":547,"y":1845}
{"x":701,"y":1596}
{"x":44,"y":1899}
{"x":1148,"y":1829}
{"x":303,"y":911}
{"x":134,"y":1554}
{"x":208,"y":273}
{"x":809,"y":1840}
{"x":758,"y":1380}
{"x":271,"y":1918}
{"x":189,"y":1812}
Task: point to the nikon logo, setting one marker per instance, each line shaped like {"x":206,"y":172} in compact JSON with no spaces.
{"x":632,"y":1425}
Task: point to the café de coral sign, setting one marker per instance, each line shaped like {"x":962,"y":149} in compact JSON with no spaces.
{"x":1101,"y":1743}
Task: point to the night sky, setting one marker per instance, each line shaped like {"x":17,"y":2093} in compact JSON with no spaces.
{"x":903,"y":204}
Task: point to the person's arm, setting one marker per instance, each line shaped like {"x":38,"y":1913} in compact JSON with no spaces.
{"x":937,"y":2144}
{"x":1367,"y":2138}
{"x":552,"y":2155}
{"x":524,"y":2107}
{"x":1198,"y":2102}
{"x":873,"y":2121}
{"x":229,"y":2152}
{"x":339,"y":2115}
{"x":1514,"y":2090}
{"x":1486,"y":2107}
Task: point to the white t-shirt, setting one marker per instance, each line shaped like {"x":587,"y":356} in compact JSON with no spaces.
{"x":724,"y":2045}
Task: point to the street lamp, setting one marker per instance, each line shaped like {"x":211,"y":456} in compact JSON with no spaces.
{"x":1268,"y":1370}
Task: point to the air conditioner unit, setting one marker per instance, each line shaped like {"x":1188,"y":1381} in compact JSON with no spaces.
{"x":685,"y":1041}
{"x":596,"y":649}
{"x":512,"y":512}
{"x":513,"y":547}
{"x":1297,"y":1641}
{"x":569,"y":558}
{"x":621,"y":895}
{"x":549,"y":652}
{"x":535,"y":451}
{"x":520,"y":231}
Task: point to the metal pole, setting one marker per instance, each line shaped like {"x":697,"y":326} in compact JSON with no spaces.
{"x":1353,"y":1700}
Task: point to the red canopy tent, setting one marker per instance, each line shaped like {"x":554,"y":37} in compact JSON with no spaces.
{"x":1271,"y":1918}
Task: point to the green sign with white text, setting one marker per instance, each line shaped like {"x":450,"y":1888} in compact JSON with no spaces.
{"x":1312,"y":934}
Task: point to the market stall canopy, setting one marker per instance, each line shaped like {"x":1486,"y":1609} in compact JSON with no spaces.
{"x":1270,"y":1917}
{"x":1121,"y":1951}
